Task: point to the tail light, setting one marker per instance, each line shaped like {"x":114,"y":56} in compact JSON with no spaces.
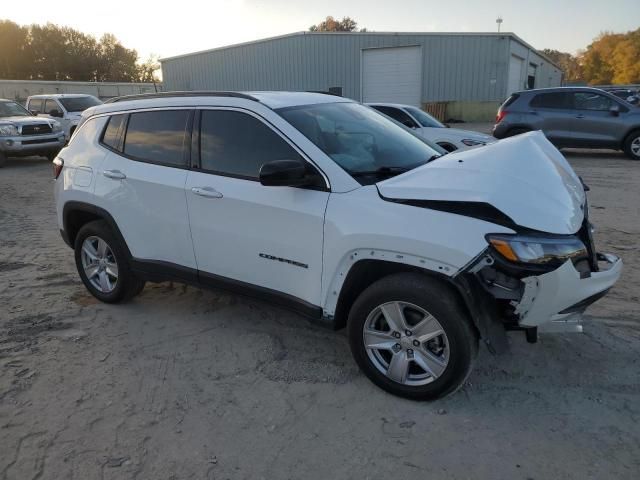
{"x":501,"y":114}
{"x":58,"y":163}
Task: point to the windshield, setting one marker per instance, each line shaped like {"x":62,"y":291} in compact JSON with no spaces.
{"x":424,"y":118}
{"x":13,"y":109}
{"x":369,"y":146}
{"x":79,"y":104}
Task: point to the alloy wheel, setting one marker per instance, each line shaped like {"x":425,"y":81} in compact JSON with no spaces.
{"x":635,"y":146}
{"x":406,"y":343}
{"x":99,"y":264}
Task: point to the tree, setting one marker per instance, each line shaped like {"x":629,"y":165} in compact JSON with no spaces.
{"x":330,"y":24}
{"x":13,"y":59}
{"x":147,"y":69}
{"x":51,"y":52}
{"x":568,"y":63}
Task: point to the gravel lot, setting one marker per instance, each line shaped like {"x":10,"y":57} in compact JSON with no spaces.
{"x":186,"y":383}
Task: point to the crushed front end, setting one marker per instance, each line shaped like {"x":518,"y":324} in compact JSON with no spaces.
{"x":534,"y":282}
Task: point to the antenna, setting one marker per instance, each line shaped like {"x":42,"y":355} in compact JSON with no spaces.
{"x":499,"y":22}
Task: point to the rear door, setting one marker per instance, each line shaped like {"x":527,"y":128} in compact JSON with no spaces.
{"x":141,"y":184}
{"x":552,"y":113}
{"x":244,"y":232}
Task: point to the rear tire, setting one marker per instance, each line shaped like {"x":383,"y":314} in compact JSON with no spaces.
{"x":103,"y":264}
{"x":631,"y":145}
{"x":434,"y":354}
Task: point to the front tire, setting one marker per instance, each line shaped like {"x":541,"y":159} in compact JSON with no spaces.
{"x":631,"y":145}
{"x":103,"y":265}
{"x":411,"y":336}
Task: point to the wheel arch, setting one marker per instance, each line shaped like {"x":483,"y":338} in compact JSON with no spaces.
{"x":631,"y":131}
{"x":365,"y":272}
{"x":77,"y":214}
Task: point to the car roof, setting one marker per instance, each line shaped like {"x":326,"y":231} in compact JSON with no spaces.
{"x":559,"y":89}
{"x":61,"y":95}
{"x":273,"y":100}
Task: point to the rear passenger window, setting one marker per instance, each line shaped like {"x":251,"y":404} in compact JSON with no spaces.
{"x":552,"y":100}
{"x":237,"y":144}
{"x":110,"y":136}
{"x":157,"y":137}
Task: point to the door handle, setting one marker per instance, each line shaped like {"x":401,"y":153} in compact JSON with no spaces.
{"x":114,"y":174}
{"x":207,"y":192}
{"x":580,"y":116}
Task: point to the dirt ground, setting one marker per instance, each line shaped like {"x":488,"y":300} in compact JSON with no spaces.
{"x":184,"y":383}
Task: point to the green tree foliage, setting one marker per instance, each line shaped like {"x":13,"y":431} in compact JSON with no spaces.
{"x":51,"y":52}
{"x":330,"y":24}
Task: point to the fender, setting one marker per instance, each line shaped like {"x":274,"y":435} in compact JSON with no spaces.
{"x":332,"y":293}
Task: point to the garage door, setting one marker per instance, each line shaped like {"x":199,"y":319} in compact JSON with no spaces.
{"x":392,"y":75}
{"x":515,"y":75}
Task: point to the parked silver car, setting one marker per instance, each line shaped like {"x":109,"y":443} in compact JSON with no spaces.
{"x":22,"y":134}
{"x":574,"y":117}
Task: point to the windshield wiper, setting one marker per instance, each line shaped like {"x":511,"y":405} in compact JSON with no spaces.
{"x":382,"y":171}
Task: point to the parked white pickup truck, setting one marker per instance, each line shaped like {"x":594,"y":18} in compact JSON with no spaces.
{"x":64,"y":108}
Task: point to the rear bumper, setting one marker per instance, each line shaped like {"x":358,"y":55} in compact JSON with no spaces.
{"x":556,"y":300}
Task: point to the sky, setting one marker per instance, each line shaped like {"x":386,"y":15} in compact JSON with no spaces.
{"x":169,"y":28}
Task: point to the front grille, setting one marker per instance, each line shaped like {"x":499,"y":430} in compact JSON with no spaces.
{"x":36,"y":129}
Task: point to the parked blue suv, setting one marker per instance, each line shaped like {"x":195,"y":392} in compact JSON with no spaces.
{"x":573,"y":117}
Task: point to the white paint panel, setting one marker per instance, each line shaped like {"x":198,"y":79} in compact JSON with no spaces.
{"x":515,"y":83}
{"x":392,"y":75}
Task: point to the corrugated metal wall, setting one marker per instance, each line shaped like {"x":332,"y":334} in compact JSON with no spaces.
{"x":457,"y":67}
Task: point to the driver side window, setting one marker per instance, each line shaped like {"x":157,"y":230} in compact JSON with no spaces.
{"x":50,"y":105}
{"x":591,"y":101}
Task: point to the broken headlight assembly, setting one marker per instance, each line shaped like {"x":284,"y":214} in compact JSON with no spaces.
{"x":538,"y":251}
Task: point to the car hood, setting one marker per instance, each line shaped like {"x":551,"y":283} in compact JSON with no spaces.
{"x":525,"y":177}
{"x":18,"y":120}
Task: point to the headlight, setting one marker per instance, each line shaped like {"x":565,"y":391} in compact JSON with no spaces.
{"x":8,"y":130}
{"x":56,"y":126}
{"x":472,"y":143}
{"x":537,"y":250}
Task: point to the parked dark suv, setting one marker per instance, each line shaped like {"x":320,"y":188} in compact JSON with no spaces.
{"x":572,"y":117}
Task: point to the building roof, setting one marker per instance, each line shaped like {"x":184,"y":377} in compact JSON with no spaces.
{"x":303,"y":33}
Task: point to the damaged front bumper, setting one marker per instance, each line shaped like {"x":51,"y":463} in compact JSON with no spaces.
{"x":543,"y":302}
{"x":555,"y":301}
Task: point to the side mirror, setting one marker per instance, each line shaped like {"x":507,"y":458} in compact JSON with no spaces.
{"x":55,"y":113}
{"x":447,"y":125}
{"x":34,"y":112}
{"x":284,"y":173}
{"x":615,"y":110}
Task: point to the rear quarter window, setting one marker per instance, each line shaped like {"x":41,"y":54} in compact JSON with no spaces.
{"x":110,"y":137}
{"x":510,"y":100}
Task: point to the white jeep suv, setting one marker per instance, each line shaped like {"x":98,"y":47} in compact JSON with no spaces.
{"x":322,"y":205}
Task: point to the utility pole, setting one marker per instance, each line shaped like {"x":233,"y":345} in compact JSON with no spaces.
{"x":499,"y":22}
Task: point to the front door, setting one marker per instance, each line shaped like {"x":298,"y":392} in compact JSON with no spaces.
{"x":594,"y":123}
{"x":269,"y":237}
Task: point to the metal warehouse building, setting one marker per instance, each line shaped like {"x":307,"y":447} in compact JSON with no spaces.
{"x":453,"y":75}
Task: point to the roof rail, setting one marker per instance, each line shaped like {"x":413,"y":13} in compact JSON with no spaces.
{"x":145,"y":96}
